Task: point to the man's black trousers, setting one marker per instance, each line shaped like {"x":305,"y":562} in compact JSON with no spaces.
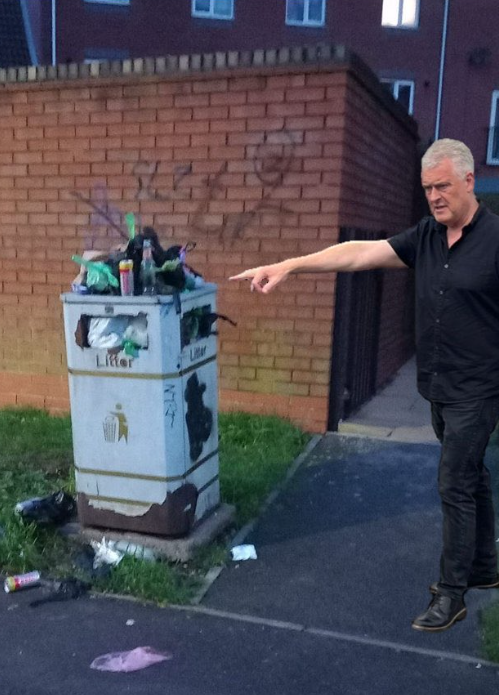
{"x":469,"y":547}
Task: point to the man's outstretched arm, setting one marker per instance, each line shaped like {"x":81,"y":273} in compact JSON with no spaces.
{"x":348,"y":256}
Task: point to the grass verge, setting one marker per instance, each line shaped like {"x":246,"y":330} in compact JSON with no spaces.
{"x":36,"y":460}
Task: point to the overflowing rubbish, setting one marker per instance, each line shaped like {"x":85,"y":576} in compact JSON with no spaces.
{"x":143,"y":267}
{"x":243,"y":552}
{"x":99,"y":275}
{"x":63,"y":590}
{"x":147,"y":269}
{"x":105,"y":554}
{"x":21,"y":581}
{"x":126,"y":278}
{"x":133,"y":549}
{"x":84,"y":559}
{"x":57,"y":508}
{"x":112,"y":552}
{"x":132,"y":660}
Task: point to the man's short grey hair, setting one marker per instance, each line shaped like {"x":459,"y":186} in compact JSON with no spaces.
{"x":455,"y":150}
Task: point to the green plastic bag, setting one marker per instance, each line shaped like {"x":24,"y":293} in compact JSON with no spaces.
{"x":99,"y":275}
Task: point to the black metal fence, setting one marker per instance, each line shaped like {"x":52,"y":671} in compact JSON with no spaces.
{"x":355,"y":335}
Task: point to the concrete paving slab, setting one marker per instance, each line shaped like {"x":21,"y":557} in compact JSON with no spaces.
{"x":364,"y":429}
{"x":423,"y":434}
{"x":415,"y":435}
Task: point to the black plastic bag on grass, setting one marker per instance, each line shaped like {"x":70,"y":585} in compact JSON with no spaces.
{"x":54,"y":509}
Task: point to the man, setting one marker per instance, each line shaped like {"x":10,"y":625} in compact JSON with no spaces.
{"x":455,"y":256}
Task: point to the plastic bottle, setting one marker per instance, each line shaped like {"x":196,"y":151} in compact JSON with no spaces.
{"x":138,"y":551}
{"x":148,"y":269}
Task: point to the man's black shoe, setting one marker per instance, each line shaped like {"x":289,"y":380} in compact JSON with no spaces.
{"x":474,"y":583}
{"x":441,"y":614}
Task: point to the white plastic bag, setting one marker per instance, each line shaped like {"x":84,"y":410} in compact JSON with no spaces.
{"x":136,"y":331}
{"x":107,"y":332}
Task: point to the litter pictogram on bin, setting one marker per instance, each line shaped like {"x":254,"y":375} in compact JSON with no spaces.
{"x":115,"y":426}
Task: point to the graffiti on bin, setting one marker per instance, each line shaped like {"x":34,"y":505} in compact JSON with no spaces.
{"x":272,"y":160}
{"x":170,"y":403}
{"x":199,"y":418}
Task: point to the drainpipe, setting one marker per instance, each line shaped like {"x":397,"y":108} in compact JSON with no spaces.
{"x":441,"y":70}
{"x":54,"y":43}
{"x":29,"y":34}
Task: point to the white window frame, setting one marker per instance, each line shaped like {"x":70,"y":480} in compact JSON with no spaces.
{"x":400,"y":23}
{"x":109,"y":2}
{"x":494,"y":114}
{"x":395,"y":84}
{"x":306,"y":21}
{"x":211,"y":13}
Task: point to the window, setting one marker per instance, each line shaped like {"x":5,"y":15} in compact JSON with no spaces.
{"x":213,"y":9}
{"x":311,"y":13}
{"x":402,"y":91}
{"x":400,"y":13}
{"x":110,"y":2}
{"x":493,"y":144}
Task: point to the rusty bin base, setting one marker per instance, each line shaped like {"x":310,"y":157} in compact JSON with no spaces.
{"x":177,"y":549}
{"x":174,"y":518}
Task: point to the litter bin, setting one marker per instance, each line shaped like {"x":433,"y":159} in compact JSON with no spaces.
{"x":145,"y":426}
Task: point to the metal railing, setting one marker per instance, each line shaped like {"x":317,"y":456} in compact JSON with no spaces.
{"x":354,"y":356}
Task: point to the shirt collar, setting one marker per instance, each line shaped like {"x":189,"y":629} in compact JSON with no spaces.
{"x":479,"y":213}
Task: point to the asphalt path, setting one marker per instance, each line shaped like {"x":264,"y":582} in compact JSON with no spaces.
{"x":345,"y":556}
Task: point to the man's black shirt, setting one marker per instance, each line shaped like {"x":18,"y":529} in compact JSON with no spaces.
{"x":457,"y":307}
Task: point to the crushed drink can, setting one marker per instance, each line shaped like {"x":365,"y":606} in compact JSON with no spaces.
{"x":21,"y":581}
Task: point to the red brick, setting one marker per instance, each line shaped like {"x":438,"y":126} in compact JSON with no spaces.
{"x":267,"y":96}
{"x":228,"y":98}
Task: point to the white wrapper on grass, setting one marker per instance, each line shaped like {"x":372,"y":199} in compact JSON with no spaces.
{"x":104,"y":554}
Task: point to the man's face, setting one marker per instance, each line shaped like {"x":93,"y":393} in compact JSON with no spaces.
{"x":449,"y":196}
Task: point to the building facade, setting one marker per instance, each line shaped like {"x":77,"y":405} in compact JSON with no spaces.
{"x":440,"y":58}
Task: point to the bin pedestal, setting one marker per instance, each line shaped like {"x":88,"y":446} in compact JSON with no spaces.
{"x":145,"y":427}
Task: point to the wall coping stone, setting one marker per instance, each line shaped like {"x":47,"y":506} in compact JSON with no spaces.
{"x":319,"y":56}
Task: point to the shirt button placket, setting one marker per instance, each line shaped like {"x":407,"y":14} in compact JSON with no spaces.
{"x":436,"y":347}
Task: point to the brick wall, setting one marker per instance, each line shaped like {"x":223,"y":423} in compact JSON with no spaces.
{"x":379,"y":175}
{"x":255,"y":157}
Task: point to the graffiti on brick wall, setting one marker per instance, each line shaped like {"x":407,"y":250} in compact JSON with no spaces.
{"x":272,"y":160}
{"x":146,"y":173}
